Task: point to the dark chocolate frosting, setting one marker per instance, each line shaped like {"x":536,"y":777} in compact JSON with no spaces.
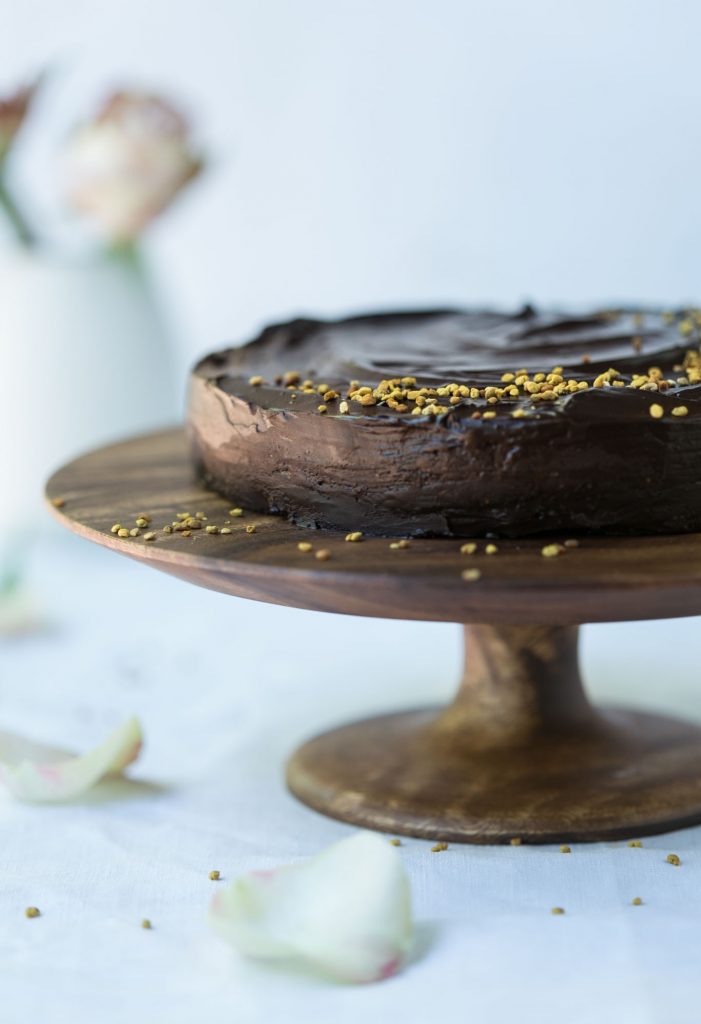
{"x":609,"y":441}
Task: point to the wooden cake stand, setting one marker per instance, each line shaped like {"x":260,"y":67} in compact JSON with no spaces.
{"x":520,"y":752}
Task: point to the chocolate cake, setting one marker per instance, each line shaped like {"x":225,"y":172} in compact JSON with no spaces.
{"x":460,"y":423}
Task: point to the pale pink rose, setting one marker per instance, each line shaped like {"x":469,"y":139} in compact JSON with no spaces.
{"x":13,"y":110}
{"x":125,"y":166}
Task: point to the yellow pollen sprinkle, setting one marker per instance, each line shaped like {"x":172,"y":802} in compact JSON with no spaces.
{"x":439,"y":847}
{"x":186,"y":533}
{"x":552,"y":550}
{"x":491,"y":549}
{"x":146,"y":924}
{"x":489,"y":414}
{"x":343,"y":408}
{"x":557,"y":910}
{"x":123,"y":532}
{"x":58,"y":502}
{"x":211,"y":529}
{"x":323,"y":555}
{"x":321,"y":408}
{"x":149,"y":536}
{"x":214,"y":876}
{"x":516,"y":841}
{"x":470,"y":574}
{"x":355,"y":536}
{"x":235,"y":511}
{"x":32,"y":912}
{"x":680,"y":410}
{"x":116,"y":528}
{"x":565,"y":848}
{"x":656,"y":411}
{"x":571,"y":543}
{"x":304,"y":546}
{"x":635,"y":843}
{"x":255,"y":381}
{"x":400,"y":545}
{"x":469,"y":548}
{"x":672,"y":858}
{"x":395,"y":842}
{"x":636,"y":901}
{"x":250,"y":528}
{"x":225,"y":529}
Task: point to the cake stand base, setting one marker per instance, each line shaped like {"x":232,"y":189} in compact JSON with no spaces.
{"x":519,"y":754}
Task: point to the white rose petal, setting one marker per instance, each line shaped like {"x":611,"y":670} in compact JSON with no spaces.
{"x":346,"y":911}
{"x":36,"y":773}
{"x":19,"y":613}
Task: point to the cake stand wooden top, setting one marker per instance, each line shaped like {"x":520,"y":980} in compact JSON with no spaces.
{"x":602,"y":580}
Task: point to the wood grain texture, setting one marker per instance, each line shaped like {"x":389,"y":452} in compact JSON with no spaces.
{"x":520,"y":753}
{"x":601,"y":580}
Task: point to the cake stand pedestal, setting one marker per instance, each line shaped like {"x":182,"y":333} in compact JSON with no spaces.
{"x":520,"y":753}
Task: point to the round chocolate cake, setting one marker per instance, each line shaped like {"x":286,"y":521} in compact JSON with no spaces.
{"x":460,"y":423}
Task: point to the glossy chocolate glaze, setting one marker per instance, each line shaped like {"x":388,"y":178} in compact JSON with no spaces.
{"x":590,"y":461}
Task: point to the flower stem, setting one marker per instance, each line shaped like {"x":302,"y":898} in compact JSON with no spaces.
{"x":21,"y":229}
{"x":127,"y":253}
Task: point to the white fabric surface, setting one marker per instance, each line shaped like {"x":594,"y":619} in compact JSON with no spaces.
{"x":225,"y":689}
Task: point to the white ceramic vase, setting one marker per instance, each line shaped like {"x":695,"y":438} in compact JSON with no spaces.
{"x":84,"y":360}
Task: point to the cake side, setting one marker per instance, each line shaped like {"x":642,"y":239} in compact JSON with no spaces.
{"x":299,"y":423}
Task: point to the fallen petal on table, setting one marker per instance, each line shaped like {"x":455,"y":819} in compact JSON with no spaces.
{"x":346,"y":912}
{"x":36,"y":773}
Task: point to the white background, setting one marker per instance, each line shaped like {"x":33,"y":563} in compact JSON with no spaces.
{"x":381,"y":152}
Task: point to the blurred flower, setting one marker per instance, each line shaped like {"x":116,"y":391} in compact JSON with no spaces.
{"x":346,"y":912}
{"x":129,"y":163}
{"x":13,"y":110}
{"x":36,"y":773}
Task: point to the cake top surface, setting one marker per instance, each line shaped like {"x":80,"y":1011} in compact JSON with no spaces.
{"x":461,"y":363}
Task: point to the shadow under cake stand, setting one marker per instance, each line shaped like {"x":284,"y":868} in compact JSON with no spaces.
{"x":520,"y":752}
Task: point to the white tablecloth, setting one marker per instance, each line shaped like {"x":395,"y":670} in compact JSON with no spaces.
{"x":225,"y":689}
